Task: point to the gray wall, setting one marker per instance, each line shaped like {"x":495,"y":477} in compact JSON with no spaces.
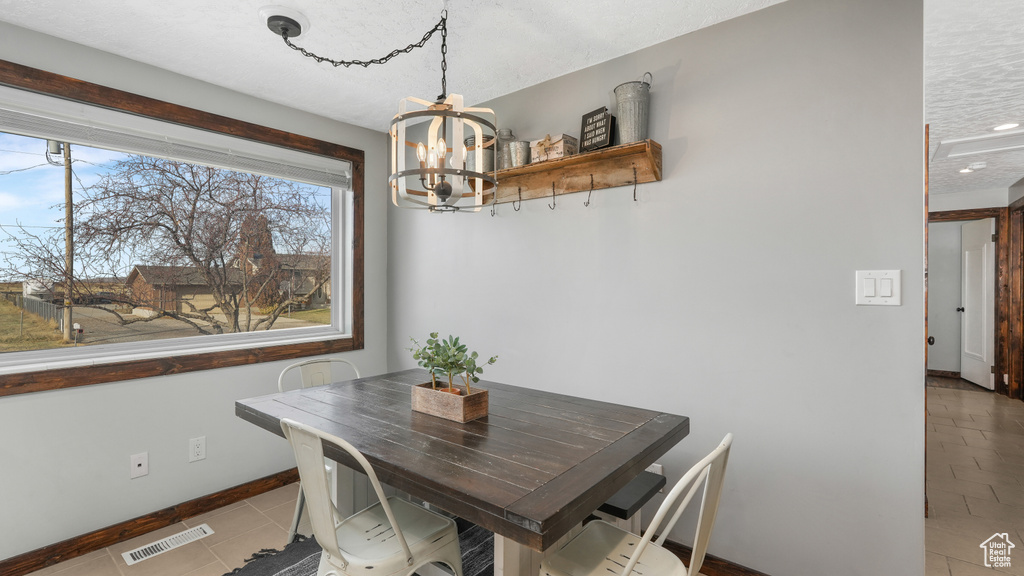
{"x":64,"y":455}
{"x":1016,"y":192}
{"x":792,"y":158}
{"x":988,"y":198}
{"x":944,"y":295}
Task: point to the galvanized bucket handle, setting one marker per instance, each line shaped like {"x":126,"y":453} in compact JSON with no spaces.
{"x":646,"y":74}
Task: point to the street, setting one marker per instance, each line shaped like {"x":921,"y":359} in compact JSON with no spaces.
{"x":102,"y":327}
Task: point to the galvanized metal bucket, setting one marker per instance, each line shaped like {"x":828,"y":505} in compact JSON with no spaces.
{"x":488,"y":154}
{"x":520,"y":153}
{"x":633,"y":104}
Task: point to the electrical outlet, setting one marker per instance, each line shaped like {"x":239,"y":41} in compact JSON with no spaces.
{"x":197,"y":449}
{"x":140,"y":464}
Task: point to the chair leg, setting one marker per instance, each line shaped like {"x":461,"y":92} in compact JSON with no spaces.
{"x":299,"y":504}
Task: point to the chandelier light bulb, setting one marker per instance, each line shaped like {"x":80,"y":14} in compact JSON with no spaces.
{"x":442,"y":150}
{"x":421,"y":152}
{"x":431,"y":159}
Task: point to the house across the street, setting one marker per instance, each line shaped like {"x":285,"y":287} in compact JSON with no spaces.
{"x":180,"y":288}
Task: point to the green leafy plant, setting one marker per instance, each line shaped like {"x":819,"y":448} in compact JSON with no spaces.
{"x":471,"y":369}
{"x":448,"y":357}
{"x":428,"y":357}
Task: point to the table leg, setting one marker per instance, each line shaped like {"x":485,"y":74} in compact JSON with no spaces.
{"x":513,"y":559}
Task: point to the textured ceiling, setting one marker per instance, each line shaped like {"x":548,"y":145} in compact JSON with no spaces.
{"x":974,"y":80}
{"x":494,"y":48}
{"x":974,"y":53}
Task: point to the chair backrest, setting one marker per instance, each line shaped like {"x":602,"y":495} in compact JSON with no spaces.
{"x":315,"y":372}
{"x":307,"y":443}
{"x":711,"y":472}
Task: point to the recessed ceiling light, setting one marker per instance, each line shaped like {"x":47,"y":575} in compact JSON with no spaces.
{"x":1006,"y":126}
{"x":973,"y":166}
{"x":966,"y":171}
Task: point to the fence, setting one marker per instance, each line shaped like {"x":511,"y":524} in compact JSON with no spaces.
{"x":43,"y":309}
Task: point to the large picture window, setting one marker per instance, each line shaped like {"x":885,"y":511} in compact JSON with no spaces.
{"x":166,"y":241}
{"x":160,"y":248}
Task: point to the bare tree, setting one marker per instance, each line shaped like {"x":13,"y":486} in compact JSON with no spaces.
{"x":233,"y":237}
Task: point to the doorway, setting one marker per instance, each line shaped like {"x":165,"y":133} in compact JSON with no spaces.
{"x":1000,"y":293}
{"x":961,"y":295}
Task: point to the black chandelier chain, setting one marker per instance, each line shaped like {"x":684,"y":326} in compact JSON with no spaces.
{"x":441,"y":26}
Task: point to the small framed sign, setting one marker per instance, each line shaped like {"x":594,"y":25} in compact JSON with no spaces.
{"x":597,"y":130}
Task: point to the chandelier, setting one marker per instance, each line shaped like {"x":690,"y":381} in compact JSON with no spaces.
{"x":431,"y":168}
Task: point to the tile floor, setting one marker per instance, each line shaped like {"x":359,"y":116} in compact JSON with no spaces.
{"x":975,"y":489}
{"x":240,"y":529}
{"x":975,"y":480}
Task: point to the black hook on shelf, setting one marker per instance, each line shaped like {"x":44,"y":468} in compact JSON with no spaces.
{"x":587,"y":203}
{"x":634,"y":182}
{"x":552,"y":205}
{"x":514,"y":207}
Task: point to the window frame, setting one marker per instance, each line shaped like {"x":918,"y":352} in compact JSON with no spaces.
{"x":50,"y":84}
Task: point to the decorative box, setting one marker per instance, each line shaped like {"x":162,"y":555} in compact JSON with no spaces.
{"x":548,"y":149}
{"x":462,"y":408}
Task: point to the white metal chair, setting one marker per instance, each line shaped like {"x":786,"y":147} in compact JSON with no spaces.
{"x":316,"y":372}
{"x":601,"y":548}
{"x":391,"y":537}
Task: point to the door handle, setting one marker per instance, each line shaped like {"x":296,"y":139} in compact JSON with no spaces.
{"x":931,"y":340}
{"x":960,"y":309}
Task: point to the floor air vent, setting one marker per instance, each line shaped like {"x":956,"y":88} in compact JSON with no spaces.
{"x":169,"y":543}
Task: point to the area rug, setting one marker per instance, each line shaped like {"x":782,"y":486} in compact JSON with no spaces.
{"x":301,"y":558}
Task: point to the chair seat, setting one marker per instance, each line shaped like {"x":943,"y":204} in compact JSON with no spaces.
{"x":368,"y":538}
{"x":602,"y":549}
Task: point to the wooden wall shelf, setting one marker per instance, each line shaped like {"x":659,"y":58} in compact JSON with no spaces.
{"x":606,"y":168}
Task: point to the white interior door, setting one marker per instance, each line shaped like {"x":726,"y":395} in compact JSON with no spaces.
{"x":977,"y":328}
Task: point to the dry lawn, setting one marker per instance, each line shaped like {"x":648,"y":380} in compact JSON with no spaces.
{"x":35,"y":334}
{"x":317,"y":316}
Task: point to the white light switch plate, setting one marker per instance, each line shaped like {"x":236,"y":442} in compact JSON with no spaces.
{"x":878,"y":287}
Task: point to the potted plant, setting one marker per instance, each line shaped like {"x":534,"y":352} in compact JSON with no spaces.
{"x":449,"y":358}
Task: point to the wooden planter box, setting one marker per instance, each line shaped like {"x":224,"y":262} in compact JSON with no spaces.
{"x":445,"y":405}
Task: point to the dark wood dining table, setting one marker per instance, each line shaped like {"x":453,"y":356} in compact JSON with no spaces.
{"x":536,"y":466}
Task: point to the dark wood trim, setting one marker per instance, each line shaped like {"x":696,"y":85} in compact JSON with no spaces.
{"x":38,"y":381}
{"x":1015,"y":366}
{"x":104,"y":537}
{"x":927,"y":200}
{"x":50,"y":84}
{"x":713,"y":565}
{"x":1002,"y":218}
{"x":942,"y":373}
{"x":964,"y":215}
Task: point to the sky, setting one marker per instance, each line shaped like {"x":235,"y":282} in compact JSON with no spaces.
{"x":32,"y":190}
